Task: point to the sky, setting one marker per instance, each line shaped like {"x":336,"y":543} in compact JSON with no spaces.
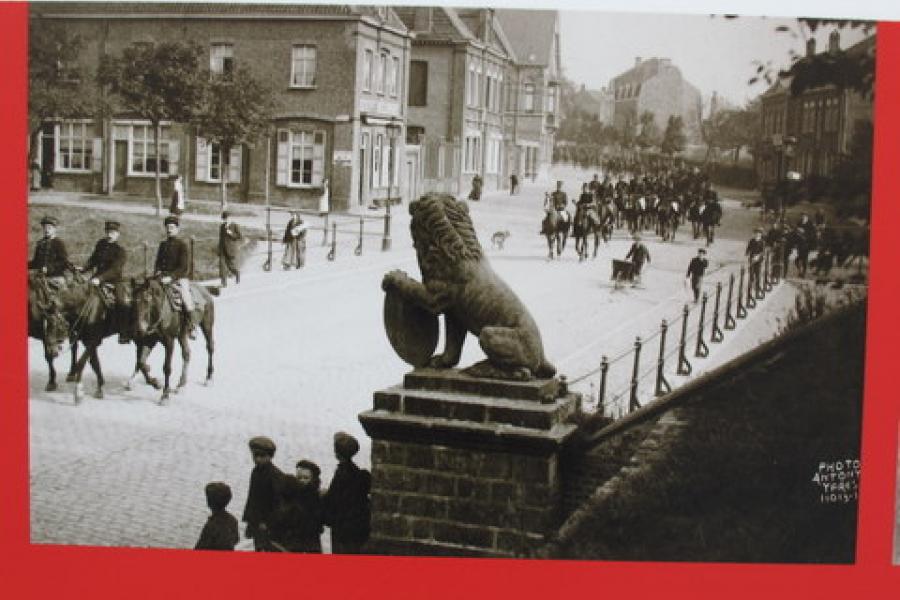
{"x":713,"y":53}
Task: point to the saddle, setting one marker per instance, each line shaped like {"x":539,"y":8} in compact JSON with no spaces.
{"x":173,"y":293}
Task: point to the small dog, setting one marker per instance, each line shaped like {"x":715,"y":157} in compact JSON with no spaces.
{"x":499,"y":238}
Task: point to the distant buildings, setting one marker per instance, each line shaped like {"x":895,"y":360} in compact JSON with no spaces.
{"x":809,"y":133}
{"x":657,"y":86}
{"x":598,"y":103}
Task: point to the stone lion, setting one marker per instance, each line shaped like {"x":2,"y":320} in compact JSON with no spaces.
{"x":458,"y":282}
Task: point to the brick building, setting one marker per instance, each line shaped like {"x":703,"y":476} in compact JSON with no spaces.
{"x":656,"y":85}
{"x":818,"y":124}
{"x":340,"y":77}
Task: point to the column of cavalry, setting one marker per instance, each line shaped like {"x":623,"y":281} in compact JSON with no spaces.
{"x":85,"y":304}
{"x":644,"y":196}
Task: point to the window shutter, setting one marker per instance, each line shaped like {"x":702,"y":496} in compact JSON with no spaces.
{"x":97,"y":155}
{"x":234,"y":164}
{"x":281,"y":157}
{"x":202,"y":160}
{"x":318,"y":171}
{"x":174,"y":156}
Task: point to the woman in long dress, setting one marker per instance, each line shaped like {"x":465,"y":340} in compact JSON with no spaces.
{"x":294,"y":242}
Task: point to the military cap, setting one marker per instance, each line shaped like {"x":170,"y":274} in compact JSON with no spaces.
{"x":345,"y":445}
{"x":218,"y":495}
{"x":701,"y":250}
{"x":48,"y":220}
{"x":262,"y":444}
{"x":112,"y":226}
{"x":171,"y":219}
{"x":225,"y":214}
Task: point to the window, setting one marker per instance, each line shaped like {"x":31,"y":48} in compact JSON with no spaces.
{"x":551,"y":100}
{"x":221,"y":59}
{"x":377,"y":149}
{"x":528,"y":97}
{"x":301,"y":158}
{"x":395,"y":76}
{"x":471,"y":158}
{"x":368,"y":66}
{"x":418,"y":83}
{"x":208,"y":166}
{"x":303,"y":66}
{"x":143,"y":151}
{"x":473,"y":86}
{"x":75,"y":146}
{"x":381,"y":74}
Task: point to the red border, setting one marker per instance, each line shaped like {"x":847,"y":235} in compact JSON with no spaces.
{"x":58,"y":571}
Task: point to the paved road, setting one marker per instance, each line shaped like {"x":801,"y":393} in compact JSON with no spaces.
{"x":298,"y":356}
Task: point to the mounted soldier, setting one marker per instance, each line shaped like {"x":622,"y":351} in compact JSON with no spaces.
{"x":50,"y":256}
{"x":106,"y":267}
{"x":173,"y":267}
{"x":559,"y":202}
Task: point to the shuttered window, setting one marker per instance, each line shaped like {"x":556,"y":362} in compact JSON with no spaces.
{"x":300,"y":158}
{"x":209,"y":165}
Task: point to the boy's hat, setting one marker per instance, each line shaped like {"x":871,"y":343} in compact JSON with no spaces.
{"x":171,"y":219}
{"x":112,"y":226}
{"x":262,"y":444}
{"x":309,"y":466}
{"x":218,"y":495}
{"x":345,"y":445}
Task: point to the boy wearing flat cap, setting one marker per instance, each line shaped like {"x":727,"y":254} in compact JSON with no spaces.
{"x":50,"y":255}
{"x":107,"y":265}
{"x":221,"y":529}
{"x":346,"y":503}
{"x":264,"y":495}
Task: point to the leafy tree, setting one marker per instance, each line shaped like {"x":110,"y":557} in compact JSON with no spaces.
{"x":674,"y":139}
{"x":157,"y":82}
{"x":56,"y":87}
{"x":851,"y":182}
{"x":732,"y":130}
{"x":236,"y":109}
{"x":649,"y":135}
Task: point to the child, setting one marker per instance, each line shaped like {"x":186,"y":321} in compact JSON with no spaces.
{"x":297,"y":525}
{"x":346,"y":503}
{"x":266,"y":486}
{"x":221,"y":529}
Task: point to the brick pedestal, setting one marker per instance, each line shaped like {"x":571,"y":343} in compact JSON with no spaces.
{"x":464,"y":466}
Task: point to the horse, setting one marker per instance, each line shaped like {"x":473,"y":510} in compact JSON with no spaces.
{"x":158,"y":321}
{"x":556,"y":229}
{"x":591,"y":220}
{"x":48,"y":324}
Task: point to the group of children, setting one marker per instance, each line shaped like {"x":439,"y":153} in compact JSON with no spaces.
{"x":287,"y":513}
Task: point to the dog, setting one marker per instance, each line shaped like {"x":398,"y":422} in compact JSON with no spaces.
{"x":499,"y":238}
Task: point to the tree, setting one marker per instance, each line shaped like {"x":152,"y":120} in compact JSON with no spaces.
{"x":236,"y":109}
{"x":649,"y":135}
{"x":732,"y":130}
{"x":56,"y":87}
{"x":157,"y":82}
{"x":851,"y":183}
{"x":674,"y":139}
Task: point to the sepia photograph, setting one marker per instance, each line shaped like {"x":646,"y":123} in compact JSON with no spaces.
{"x":433,"y":281}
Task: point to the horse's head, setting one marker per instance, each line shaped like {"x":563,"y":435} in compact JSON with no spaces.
{"x":149,"y":299}
{"x":56,"y":331}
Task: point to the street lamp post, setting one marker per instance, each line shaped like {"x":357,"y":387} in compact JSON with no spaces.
{"x":392,"y":131}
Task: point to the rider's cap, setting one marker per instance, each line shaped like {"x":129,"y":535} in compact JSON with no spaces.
{"x":262,"y":444}
{"x":345,"y":445}
{"x":171,"y":219}
{"x":225,"y":214}
{"x":48,"y":220}
{"x":112,"y":226}
{"x":218,"y":495}
{"x":701,"y":250}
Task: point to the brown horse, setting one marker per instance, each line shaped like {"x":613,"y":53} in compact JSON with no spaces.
{"x":159,"y":321}
{"x":591,"y":220}
{"x":47,"y":323}
{"x":555,"y":229}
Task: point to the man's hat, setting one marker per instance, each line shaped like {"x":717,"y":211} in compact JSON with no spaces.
{"x":225,"y":214}
{"x":171,"y":219}
{"x":345,"y":445}
{"x":48,"y":220}
{"x":218,"y":495}
{"x":701,"y":250}
{"x":112,"y":226}
{"x":262,"y":444}
{"x":757,"y":230}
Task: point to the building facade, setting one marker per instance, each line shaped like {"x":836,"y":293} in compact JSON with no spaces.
{"x":809,"y":133}
{"x":657,"y":86}
{"x":339,"y":75}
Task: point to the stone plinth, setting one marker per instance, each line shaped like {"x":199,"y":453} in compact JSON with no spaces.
{"x":463,"y":466}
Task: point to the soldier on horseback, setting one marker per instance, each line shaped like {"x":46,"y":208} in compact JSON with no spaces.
{"x":50,"y":256}
{"x":172,"y":266}
{"x":107,"y":268}
{"x":559,"y":200}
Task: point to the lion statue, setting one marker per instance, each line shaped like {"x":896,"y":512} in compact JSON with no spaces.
{"x":458,"y":282}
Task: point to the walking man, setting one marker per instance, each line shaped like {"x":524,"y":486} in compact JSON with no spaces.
{"x":638,"y":255}
{"x":696,"y":270}
{"x":755,"y":250}
{"x":230,"y":238}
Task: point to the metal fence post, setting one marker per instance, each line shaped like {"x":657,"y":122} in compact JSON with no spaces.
{"x":684,"y":365}
{"x":192,"y":257}
{"x":267,"y":266}
{"x":601,"y":395}
{"x":716,"y":335}
{"x":750,"y":300}
{"x":358,"y":250}
{"x":333,"y":252}
{"x":146,"y":247}
{"x":767,"y":282}
{"x":662,"y":386}
{"x":325,"y":229}
{"x":702,"y":351}
{"x":741,"y":310}
{"x":729,"y":318}
{"x":633,"y":402}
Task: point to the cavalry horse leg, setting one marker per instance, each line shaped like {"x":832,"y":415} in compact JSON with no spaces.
{"x":51,"y":383}
{"x":185,"y":359}
{"x":207,"y":327}
{"x":79,"y":369}
{"x":142,"y":352}
{"x":168,"y":344}
{"x":95,"y":365}
{"x":73,"y":347}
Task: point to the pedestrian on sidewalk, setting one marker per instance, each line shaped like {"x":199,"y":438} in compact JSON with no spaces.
{"x":264,"y":495}
{"x":695,"y":271}
{"x":324,"y":199}
{"x":638,"y":254}
{"x":756,"y":248}
{"x":297,"y":524}
{"x":230,"y":238}
{"x":475,"y":193}
{"x":178,"y":202}
{"x":346,"y":503}
{"x":294,"y":242}
{"x":221,"y":529}
{"x":513,"y":184}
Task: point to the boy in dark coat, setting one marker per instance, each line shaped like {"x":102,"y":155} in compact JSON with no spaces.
{"x":266,"y":487}
{"x":346,"y":502}
{"x":696,"y":270}
{"x":230,"y":238}
{"x":221,"y":529}
{"x":297,"y":524}
{"x":638,"y":255}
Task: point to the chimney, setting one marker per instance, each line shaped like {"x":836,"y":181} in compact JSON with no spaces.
{"x":834,"y":42}
{"x":637,"y":61}
{"x":811,"y":47}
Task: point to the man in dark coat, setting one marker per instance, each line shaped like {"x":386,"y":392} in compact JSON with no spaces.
{"x":297,"y":524}
{"x":230,"y":238}
{"x":756,"y":248}
{"x":638,"y":254}
{"x":712,"y":216}
{"x":346,"y":503}
{"x":559,"y":201}
{"x":264,"y":495}
{"x":695,"y":271}
{"x":50,"y":255}
{"x":221,"y":529}
{"x":173,"y":265}
{"x":475,"y":193}
{"x":107,"y":266}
